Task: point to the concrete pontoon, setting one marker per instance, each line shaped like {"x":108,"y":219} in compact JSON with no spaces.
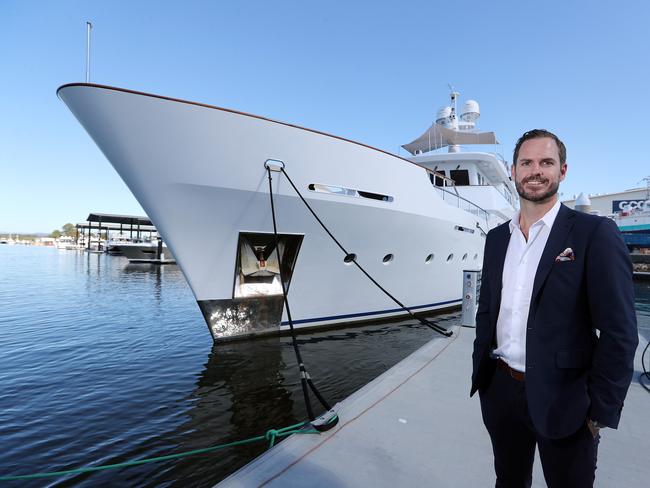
{"x":415,"y":425}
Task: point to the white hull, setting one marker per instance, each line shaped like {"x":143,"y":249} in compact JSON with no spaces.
{"x":638,"y":222}
{"x":199,"y":174}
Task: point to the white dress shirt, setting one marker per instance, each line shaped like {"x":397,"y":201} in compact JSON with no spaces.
{"x":519,"y":269}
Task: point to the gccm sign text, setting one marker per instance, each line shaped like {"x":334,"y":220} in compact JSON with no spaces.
{"x":629,"y":205}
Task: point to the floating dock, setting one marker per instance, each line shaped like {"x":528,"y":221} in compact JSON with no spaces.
{"x":415,"y":425}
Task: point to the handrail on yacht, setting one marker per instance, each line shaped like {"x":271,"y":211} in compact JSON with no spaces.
{"x":471,"y":206}
{"x":446,"y":181}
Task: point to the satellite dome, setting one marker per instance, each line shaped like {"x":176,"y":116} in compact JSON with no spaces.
{"x":583,"y":200}
{"x":470,"y":111}
{"x":443,"y":115}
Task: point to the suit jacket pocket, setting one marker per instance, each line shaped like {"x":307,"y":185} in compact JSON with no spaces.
{"x":575,"y":358}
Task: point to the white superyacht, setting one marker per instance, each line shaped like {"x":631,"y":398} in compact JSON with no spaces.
{"x":200,"y":174}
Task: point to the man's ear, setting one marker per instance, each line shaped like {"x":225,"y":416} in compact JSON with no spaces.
{"x":563,"y":169}
{"x":513,"y":171}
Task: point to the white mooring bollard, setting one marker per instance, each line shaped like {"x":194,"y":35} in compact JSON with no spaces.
{"x":471,"y":289}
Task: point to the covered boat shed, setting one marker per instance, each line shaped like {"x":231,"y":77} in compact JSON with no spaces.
{"x":112,"y":222}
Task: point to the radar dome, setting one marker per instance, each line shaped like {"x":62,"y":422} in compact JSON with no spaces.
{"x":470,"y":111}
{"x":443,"y":115}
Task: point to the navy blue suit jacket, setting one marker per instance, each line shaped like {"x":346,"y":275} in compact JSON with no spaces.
{"x":572,"y":373}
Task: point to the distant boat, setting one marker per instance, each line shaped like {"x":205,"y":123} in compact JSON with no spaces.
{"x":144,"y":252}
{"x":114,"y":243}
{"x":7,"y":240}
{"x":633,"y":222}
{"x":200,"y":174}
{"x":66,"y":242}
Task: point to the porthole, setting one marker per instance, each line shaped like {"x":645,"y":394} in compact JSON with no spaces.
{"x":387,"y":258}
{"x":475,"y":256}
{"x":428,"y":259}
{"x":465,"y":257}
{"x":349,"y":258}
{"x":450,"y":257}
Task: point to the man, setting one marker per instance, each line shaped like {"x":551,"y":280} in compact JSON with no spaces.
{"x":552,"y":277}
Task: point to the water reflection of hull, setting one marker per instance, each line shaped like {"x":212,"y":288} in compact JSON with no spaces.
{"x":240,"y":388}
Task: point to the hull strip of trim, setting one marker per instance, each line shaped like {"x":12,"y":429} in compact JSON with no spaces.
{"x":366,"y":314}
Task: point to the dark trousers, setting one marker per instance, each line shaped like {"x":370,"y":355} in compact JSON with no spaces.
{"x":568,"y":462}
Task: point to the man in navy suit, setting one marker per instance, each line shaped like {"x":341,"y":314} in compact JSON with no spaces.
{"x":555,"y":329}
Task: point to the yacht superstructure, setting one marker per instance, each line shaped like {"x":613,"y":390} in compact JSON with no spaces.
{"x":200,"y":174}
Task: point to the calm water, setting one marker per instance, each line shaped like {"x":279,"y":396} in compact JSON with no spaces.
{"x":102,"y":361}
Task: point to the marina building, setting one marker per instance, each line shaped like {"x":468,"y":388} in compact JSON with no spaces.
{"x":610,"y":203}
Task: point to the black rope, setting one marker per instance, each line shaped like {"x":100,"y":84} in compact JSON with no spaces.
{"x":646,"y":373}
{"x":330,"y":419}
{"x":353,"y":259}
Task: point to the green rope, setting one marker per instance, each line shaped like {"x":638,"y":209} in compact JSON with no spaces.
{"x":270,"y":436}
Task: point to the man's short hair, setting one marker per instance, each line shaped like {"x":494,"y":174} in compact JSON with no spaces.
{"x":536,"y":134}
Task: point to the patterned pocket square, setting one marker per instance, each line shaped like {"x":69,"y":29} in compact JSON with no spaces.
{"x":566,"y":255}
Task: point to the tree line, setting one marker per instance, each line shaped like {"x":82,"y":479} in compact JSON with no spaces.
{"x":67,"y":230}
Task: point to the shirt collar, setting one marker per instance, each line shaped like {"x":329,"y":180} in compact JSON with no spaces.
{"x":548,"y":219}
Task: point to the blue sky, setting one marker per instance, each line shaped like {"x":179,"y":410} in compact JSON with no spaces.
{"x":375,"y":72}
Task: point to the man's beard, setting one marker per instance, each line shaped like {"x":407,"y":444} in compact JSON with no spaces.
{"x":531,"y":197}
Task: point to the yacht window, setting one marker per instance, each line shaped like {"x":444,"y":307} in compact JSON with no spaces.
{"x":349,"y":192}
{"x":460,"y":176}
{"x":374,"y":196}
{"x":463,"y":229}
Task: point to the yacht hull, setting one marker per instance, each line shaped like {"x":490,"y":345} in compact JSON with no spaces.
{"x":199,"y":173}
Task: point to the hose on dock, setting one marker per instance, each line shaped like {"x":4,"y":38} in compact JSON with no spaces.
{"x":271,"y":435}
{"x":352,"y":258}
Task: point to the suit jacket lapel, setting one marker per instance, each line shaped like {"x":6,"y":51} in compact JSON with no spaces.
{"x":554,"y":246}
{"x":502,"y":241}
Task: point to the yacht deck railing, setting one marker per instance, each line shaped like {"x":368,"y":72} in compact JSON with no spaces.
{"x":454,"y":199}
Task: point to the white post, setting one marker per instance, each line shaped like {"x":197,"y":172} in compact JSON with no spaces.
{"x":471,"y":290}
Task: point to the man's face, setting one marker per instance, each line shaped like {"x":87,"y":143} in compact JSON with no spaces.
{"x":538,"y":172}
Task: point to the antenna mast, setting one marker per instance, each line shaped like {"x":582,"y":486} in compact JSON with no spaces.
{"x":647,"y":187}
{"x":89,"y":27}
